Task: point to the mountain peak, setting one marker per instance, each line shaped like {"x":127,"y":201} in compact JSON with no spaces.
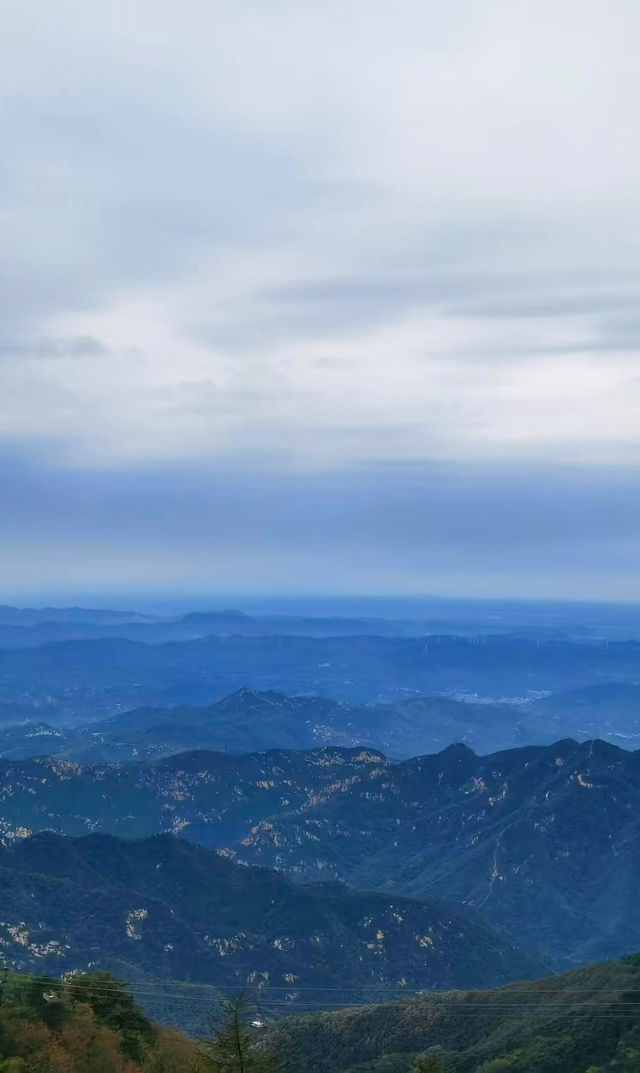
{"x":458,"y":751}
{"x":248,"y":696}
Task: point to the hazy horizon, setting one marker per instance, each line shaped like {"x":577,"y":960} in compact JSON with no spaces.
{"x":346,"y":605}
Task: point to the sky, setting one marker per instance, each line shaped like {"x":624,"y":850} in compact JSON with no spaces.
{"x":335,"y":297}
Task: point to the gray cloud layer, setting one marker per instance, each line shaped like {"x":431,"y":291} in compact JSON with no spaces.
{"x":446,"y":528}
{"x":323,"y":239}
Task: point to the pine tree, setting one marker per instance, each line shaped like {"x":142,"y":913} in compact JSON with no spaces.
{"x":232,"y":1048}
{"x":427,"y":1063}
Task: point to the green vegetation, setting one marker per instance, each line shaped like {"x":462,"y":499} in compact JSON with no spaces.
{"x":585,"y":1021}
{"x":91,"y":1024}
{"x":87,"y":1024}
{"x":427,"y":1063}
{"x":166,"y":909}
{"x":231,"y":1048}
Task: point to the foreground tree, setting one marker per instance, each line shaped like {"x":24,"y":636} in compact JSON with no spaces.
{"x":173,"y":1052}
{"x":114,"y":1008}
{"x":232,"y":1046}
{"x":427,"y":1063}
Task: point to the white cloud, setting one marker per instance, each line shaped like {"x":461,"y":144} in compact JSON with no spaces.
{"x":318,"y":235}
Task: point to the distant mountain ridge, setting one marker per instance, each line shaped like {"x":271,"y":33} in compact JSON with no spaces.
{"x":251,"y":720}
{"x":73,"y":682}
{"x":211,"y":798}
{"x":409,"y":617}
{"x":30,"y":627}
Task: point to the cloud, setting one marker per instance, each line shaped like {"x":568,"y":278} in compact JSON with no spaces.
{"x":78,"y":346}
{"x":312,"y":239}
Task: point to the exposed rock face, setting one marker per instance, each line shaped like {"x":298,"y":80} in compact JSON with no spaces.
{"x":545,"y":841}
{"x":177,"y":911}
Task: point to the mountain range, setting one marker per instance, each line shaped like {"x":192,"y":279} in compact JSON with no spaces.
{"x":544,"y":840}
{"x":30,"y":627}
{"x":249,"y":720}
{"x":75,"y":682}
{"x":551,"y":826}
{"x":168,"y":909}
{"x":211,"y":798}
{"x":326,"y":616}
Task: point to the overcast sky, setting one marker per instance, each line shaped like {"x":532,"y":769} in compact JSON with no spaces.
{"x":320,"y":297}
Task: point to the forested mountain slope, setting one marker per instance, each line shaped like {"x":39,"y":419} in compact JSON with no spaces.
{"x":172,"y":910}
{"x":544,"y":840}
{"x":585,"y":1021}
{"x":553,"y":826}
{"x":212,"y":798}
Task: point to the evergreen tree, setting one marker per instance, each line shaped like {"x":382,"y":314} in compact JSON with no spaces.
{"x":232,"y":1047}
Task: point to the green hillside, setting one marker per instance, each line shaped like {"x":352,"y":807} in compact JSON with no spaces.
{"x":584,"y":1020}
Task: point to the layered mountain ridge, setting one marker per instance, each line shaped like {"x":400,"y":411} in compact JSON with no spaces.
{"x":168,"y":909}
{"x":73,"y":682}
{"x":544,"y":840}
{"x":551,"y":826}
{"x":251,"y":720}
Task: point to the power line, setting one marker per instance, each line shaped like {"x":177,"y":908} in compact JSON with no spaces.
{"x":81,"y":981}
{"x":530,"y":987}
{"x":461,"y":1008}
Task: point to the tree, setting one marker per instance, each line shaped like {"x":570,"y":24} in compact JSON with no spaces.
{"x":173,"y":1052}
{"x":427,"y":1063}
{"x":52,"y":1013}
{"x":114,"y":1008}
{"x":232,"y":1047}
